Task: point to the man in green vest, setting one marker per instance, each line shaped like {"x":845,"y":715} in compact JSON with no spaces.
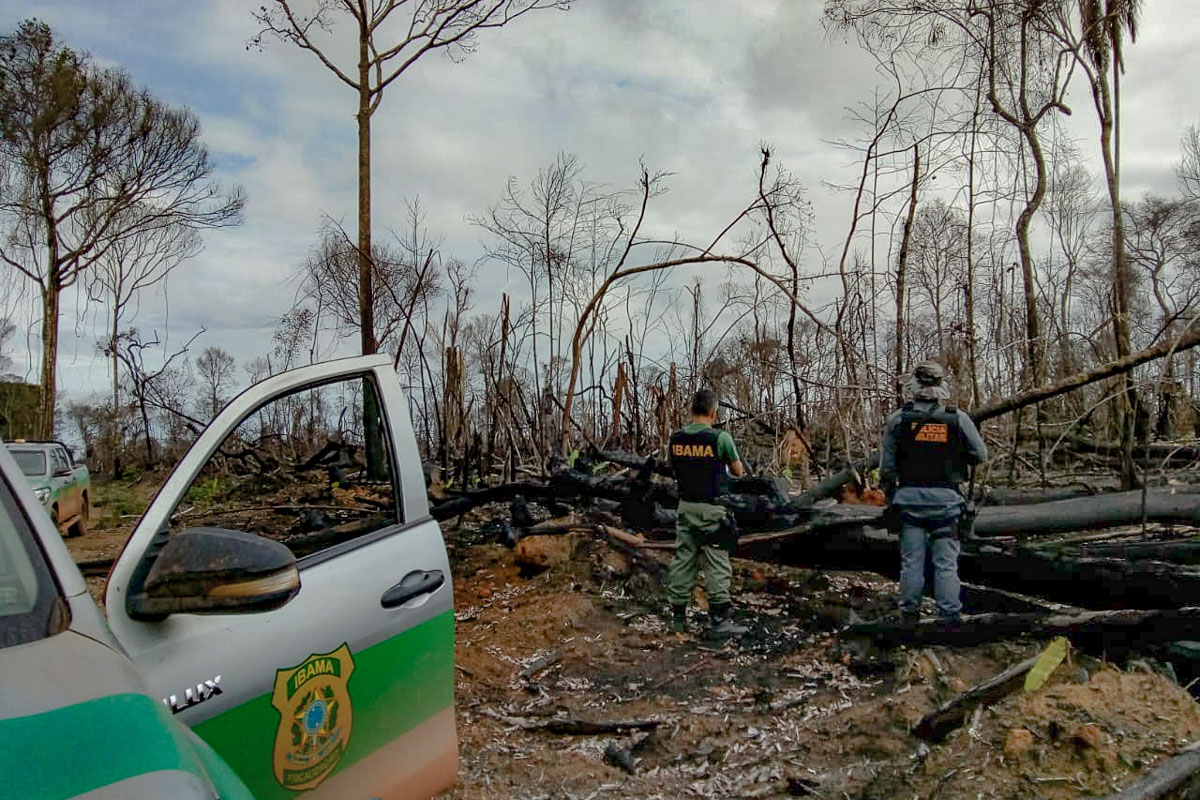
{"x":702,"y":459}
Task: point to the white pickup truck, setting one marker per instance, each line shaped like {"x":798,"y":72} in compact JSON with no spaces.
{"x":58,"y":482}
{"x":308,"y":644}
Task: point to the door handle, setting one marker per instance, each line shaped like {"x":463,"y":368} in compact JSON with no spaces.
{"x":414,"y":584}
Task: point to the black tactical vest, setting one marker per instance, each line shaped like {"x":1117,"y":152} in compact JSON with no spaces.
{"x":698,"y":471}
{"x":929,"y":449}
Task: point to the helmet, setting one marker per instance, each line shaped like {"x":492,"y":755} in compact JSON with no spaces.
{"x":929,"y":373}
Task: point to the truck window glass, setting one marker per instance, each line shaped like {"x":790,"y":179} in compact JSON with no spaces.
{"x":31,"y":462}
{"x":299,"y":470}
{"x":31,"y":607}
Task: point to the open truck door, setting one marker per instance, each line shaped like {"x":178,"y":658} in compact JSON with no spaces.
{"x":288,"y":595}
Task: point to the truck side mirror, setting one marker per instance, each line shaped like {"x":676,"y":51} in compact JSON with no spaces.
{"x":216,"y":571}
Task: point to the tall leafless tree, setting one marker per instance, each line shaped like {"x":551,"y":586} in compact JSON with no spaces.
{"x":132,"y":265}
{"x":391,"y":36}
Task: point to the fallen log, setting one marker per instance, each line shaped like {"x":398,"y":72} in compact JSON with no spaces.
{"x":995,"y":496}
{"x":1118,"y":632}
{"x":1185,"y":551}
{"x":1172,"y":774}
{"x":1098,"y":583}
{"x":841,"y":537}
{"x":936,"y":724}
{"x":1063,"y":516}
{"x":1100,"y":511}
{"x":632,"y":460}
{"x":984,"y":599}
{"x":1157,"y":451}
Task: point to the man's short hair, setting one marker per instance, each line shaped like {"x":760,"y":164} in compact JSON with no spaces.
{"x":704,"y":402}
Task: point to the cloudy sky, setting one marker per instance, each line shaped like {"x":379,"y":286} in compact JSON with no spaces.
{"x":690,"y":86}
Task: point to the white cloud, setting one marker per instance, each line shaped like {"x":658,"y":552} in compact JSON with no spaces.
{"x":691,"y":86}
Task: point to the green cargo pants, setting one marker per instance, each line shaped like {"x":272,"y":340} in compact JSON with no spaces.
{"x":695,"y":527}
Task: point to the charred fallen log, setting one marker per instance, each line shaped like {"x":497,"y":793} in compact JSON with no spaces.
{"x":1182,"y":551}
{"x":462,"y":503}
{"x":1096,"y":583}
{"x":758,"y":503}
{"x":848,"y":537}
{"x":631,"y":460}
{"x":1116,"y":632}
{"x":1099,"y":583}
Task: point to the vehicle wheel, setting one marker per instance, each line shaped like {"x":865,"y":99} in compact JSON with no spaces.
{"x":81,"y":525}
{"x":58,"y":522}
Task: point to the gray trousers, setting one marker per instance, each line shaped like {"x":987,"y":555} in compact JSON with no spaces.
{"x":944,"y":549}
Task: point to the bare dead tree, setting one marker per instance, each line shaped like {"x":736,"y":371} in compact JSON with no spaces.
{"x":1098,"y":45}
{"x":163,"y":388}
{"x":130,"y":266}
{"x":392,"y":35}
{"x":1188,"y":168}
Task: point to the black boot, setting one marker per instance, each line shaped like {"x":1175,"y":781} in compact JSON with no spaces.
{"x":722,"y":623}
{"x":678,"y":623}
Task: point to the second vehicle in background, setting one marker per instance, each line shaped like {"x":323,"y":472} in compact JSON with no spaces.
{"x":59,"y":483}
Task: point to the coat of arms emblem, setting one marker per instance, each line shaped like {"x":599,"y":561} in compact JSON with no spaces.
{"x":315,"y":718}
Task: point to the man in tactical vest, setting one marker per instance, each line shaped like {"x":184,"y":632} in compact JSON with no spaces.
{"x":700,"y":457}
{"x":928,"y":447}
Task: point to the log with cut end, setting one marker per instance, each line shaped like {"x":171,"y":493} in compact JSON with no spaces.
{"x":1115,"y":631}
{"x":936,"y":724}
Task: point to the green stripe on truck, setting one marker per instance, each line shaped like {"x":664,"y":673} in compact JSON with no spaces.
{"x":397,"y":684}
{"x":81,"y":747}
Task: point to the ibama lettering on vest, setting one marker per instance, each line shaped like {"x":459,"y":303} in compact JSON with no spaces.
{"x":933,"y":432}
{"x":693,"y":451}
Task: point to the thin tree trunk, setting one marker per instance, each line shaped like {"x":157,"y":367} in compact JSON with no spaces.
{"x":366,"y":294}
{"x":901,"y":267}
{"x":51,"y":299}
{"x":969,"y":286}
{"x":115,"y":431}
{"x":1122,"y":280}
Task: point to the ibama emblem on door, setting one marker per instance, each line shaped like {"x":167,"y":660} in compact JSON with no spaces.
{"x":315,"y":718}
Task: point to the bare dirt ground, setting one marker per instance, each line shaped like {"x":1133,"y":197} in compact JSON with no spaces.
{"x":783,"y":711}
{"x":777,"y":713}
